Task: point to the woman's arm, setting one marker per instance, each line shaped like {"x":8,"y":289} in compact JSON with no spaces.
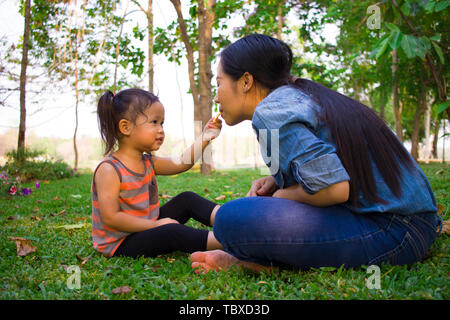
{"x":334,"y":194}
{"x":108,"y":187}
{"x":169,"y":166}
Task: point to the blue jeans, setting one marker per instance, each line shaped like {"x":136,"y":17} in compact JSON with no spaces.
{"x":286,"y":233}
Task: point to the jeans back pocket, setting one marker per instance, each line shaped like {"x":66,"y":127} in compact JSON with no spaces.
{"x":406,"y":252}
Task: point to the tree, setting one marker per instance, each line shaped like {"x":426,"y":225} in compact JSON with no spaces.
{"x":23,"y":76}
{"x":77,"y":51}
{"x":149,"y":13}
{"x":396,"y":44}
{"x":194,"y":36}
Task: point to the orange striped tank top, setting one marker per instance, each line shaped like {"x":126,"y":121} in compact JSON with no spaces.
{"x":138,"y":197}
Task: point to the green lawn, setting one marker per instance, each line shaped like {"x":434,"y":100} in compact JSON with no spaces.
{"x":43,"y":274}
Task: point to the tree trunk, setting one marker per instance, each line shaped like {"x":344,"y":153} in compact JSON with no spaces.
{"x":437,"y":126}
{"x":150,"y":45}
{"x":205,"y":23}
{"x":395,"y":99}
{"x":416,"y":127}
{"x":383,"y":101}
{"x":116,"y":66}
{"x":77,"y":99}
{"x":280,"y":19}
{"x":427,"y":120}
{"x":23,"y":76}
{"x":190,"y":52}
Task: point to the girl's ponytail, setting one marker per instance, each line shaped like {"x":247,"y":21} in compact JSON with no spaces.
{"x":107,"y":121}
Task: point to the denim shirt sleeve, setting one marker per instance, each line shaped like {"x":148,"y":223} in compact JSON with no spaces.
{"x":286,"y":124}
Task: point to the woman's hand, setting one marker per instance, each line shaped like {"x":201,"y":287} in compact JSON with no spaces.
{"x":263,"y":187}
{"x":212,"y":130}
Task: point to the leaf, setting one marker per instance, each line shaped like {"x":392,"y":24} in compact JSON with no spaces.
{"x":430,"y":6}
{"x":438,"y":50}
{"x":76,"y":196}
{"x":442,"y":106}
{"x":406,"y":8}
{"x":71,"y":226}
{"x":221,"y":197}
{"x":440,"y":208}
{"x":392,"y":27}
{"x":122,"y":290}
{"x":396,"y":40}
{"x":383,"y":46}
{"x":413,"y":46}
{"x":82,"y":260}
{"x":441,"y":6}
{"x":23,"y":246}
{"x":446,"y":227}
{"x":436,"y":37}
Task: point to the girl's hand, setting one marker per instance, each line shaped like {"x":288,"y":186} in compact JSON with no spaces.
{"x":164,"y":221}
{"x":212,"y":130}
{"x":263,"y":187}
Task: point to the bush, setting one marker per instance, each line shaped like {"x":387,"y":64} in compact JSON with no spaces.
{"x":35,"y":165}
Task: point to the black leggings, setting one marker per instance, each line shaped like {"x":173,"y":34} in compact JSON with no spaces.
{"x":172,"y":237}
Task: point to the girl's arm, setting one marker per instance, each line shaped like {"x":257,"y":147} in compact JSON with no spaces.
{"x":334,"y":194}
{"x":107,"y":184}
{"x":169,"y":166}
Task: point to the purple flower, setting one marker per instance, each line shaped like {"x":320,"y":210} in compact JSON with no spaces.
{"x":26,"y":191}
{"x":38,"y":185}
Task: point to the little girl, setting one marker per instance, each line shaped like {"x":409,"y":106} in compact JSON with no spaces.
{"x":126,"y":217}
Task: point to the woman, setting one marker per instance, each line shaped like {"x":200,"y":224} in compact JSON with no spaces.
{"x":343,"y":190}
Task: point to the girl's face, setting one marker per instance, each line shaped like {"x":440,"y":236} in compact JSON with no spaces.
{"x":230,"y":98}
{"x":147,"y":133}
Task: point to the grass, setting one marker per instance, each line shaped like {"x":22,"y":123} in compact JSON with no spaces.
{"x":43,"y":274}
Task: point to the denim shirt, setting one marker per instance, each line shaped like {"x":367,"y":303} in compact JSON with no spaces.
{"x":296,"y":147}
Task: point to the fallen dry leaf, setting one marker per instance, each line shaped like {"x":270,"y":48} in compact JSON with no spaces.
{"x":446,"y":227}
{"x":121,"y":290}
{"x":35,"y":209}
{"x":56,"y":198}
{"x":155,"y":268}
{"x":220,"y":197}
{"x":166,"y":196}
{"x":11,"y":218}
{"x":62,"y":212}
{"x":83,"y":260}
{"x":23,"y":246}
{"x":440,"y":208}
{"x":35,"y":218}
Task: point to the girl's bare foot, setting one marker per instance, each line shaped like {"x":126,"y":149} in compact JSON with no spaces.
{"x":203,"y":261}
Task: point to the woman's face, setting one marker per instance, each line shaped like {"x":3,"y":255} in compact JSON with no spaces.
{"x":230,"y":98}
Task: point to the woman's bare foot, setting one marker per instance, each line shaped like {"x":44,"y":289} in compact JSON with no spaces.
{"x":203,"y":261}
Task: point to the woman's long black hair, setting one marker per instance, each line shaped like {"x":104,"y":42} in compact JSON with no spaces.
{"x":357,"y":130}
